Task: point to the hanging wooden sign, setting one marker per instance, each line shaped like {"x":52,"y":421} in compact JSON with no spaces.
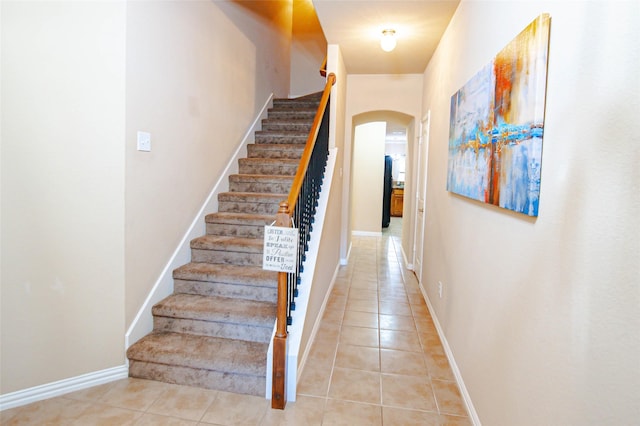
{"x":280,"y":251}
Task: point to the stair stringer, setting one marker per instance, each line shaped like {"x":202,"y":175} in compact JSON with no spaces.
{"x":295,"y":360}
{"x":142,"y":324}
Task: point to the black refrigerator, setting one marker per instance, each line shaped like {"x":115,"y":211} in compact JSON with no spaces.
{"x":386,"y":193}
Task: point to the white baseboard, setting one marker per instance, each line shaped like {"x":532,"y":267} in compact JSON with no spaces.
{"x":142,"y":324}
{"x":345,"y":261}
{"x":406,"y":261}
{"x":61,"y":387}
{"x":366,"y":234}
{"x":473,"y":415}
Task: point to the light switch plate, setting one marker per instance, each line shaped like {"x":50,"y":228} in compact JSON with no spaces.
{"x":144,"y":141}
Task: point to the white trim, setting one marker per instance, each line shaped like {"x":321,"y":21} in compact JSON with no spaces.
{"x":61,"y":387}
{"x":345,"y":261}
{"x":366,"y":234}
{"x":473,"y":415}
{"x":142,"y":324}
{"x":304,"y":292}
{"x":409,"y":266}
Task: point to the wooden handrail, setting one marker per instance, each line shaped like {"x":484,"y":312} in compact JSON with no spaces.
{"x":311,"y":141}
{"x":323,"y":67}
{"x":283,"y":219}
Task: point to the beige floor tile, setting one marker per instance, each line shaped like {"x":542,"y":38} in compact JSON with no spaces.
{"x":366,"y":285}
{"x":355,"y":385}
{"x":448,"y":398}
{"x":359,"y":336}
{"x":106,"y":415}
{"x":359,"y":294}
{"x":328,"y":331}
{"x":58,"y":410}
{"x":425,"y":325}
{"x":438,"y":366}
{"x":402,"y":417}
{"x":363,"y":305}
{"x":94,"y":394}
{"x":412,"y":392}
{"x":133,"y":394}
{"x":400,"y":340}
{"x":314,"y":380}
{"x":358,"y":357}
{"x":345,"y":413}
{"x":396,"y":322}
{"x":337,"y":302}
{"x":305,"y":411}
{"x":149,"y":419}
{"x":446,"y":420}
{"x":403,"y":362}
{"x":323,"y":352}
{"x":342,"y":284}
{"x":420,"y":311}
{"x":333,"y":316}
{"x":390,"y":307}
{"x":393,"y":296}
{"x":360,"y":319}
{"x":184,"y":402}
{"x":233,"y":409}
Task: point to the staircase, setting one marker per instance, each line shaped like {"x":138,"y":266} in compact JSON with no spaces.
{"x":214,"y":330}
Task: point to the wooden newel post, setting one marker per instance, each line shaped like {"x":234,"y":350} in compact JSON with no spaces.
{"x":278,"y":392}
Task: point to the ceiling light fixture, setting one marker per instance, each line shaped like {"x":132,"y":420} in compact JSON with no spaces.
{"x":388,"y":40}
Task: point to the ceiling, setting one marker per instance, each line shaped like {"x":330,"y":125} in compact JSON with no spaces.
{"x":356,"y":25}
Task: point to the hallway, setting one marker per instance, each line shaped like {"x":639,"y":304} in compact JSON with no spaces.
{"x":376,"y":359}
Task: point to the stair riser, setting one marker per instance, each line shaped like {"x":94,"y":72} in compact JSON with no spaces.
{"x":256,"y":168}
{"x":249,"y":207}
{"x":247,"y":292}
{"x":285,"y":114}
{"x":280,"y":104}
{"x":265,"y":151}
{"x":243,"y":231}
{"x":286,"y":125}
{"x":213,"y":329}
{"x":261,"y":187}
{"x":208,"y":379}
{"x":281,"y":139}
{"x":222,"y":257}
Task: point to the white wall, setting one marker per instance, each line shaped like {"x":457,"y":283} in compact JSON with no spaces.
{"x":308,"y":50}
{"x":542,"y":315}
{"x":198,"y":73}
{"x":367,"y":178}
{"x":63,"y":125}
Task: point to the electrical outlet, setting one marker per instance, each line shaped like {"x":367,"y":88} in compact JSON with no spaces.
{"x":440,"y":289}
{"x":144,"y":141}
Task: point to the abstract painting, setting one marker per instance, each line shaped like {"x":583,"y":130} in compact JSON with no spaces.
{"x":497,"y":122}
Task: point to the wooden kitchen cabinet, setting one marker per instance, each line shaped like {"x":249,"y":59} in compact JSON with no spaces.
{"x":397,"y":200}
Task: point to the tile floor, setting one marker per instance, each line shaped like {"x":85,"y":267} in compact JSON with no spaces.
{"x":376,"y":360}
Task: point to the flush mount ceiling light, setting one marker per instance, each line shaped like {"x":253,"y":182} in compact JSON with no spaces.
{"x":388,"y":40}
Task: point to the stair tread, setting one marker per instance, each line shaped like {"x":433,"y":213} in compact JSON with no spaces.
{"x":201,"y":352}
{"x":291,"y":161}
{"x":231,"y":243}
{"x":233,"y":274}
{"x":262,"y":178}
{"x":282,"y":132}
{"x":239,"y":218}
{"x":248,"y":196}
{"x":215,"y":308}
